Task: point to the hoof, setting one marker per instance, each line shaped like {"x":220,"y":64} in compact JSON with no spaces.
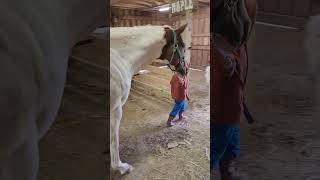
{"x":124,"y":168}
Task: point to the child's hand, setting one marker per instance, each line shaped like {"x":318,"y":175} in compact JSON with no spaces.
{"x":229,"y":66}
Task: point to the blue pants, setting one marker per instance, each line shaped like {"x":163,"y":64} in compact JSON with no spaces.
{"x":178,"y":107}
{"x":225,"y":143}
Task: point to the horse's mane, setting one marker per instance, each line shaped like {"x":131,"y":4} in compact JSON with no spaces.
{"x":137,"y":31}
{"x":137,"y":36}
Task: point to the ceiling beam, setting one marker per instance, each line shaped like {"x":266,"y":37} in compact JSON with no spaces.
{"x":142,"y":4}
{"x":136,"y":3}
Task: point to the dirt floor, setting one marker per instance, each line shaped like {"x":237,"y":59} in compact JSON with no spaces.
{"x":284,"y":143}
{"x":144,"y":137}
{"x":75,"y":146}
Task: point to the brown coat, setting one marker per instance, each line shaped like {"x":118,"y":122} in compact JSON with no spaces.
{"x":227,"y":94}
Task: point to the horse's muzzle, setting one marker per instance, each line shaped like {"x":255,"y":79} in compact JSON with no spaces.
{"x":181,"y":70}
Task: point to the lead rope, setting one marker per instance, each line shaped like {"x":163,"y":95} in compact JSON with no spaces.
{"x":175,"y":49}
{"x":247,"y":113}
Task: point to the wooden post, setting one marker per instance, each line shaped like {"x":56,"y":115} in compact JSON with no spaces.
{"x":186,"y":17}
{"x":188,"y":35}
{"x":188,"y":39}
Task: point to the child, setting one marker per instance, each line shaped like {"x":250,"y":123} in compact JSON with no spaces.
{"x":179,"y":86}
{"x":230,"y":66}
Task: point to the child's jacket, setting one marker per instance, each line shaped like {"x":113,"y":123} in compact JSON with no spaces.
{"x":179,"y":87}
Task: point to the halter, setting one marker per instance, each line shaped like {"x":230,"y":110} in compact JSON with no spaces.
{"x":175,"y":49}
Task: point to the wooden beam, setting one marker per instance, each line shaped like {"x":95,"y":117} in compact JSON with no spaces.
{"x":127,"y":6}
{"x":139,"y":3}
{"x":201,"y":35}
{"x":204,"y":2}
{"x":131,"y":17}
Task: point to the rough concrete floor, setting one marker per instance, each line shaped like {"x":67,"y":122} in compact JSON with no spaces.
{"x":144,"y":137}
{"x":284,"y":143}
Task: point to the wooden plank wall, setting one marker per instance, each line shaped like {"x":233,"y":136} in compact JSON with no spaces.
{"x":315,"y":7}
{"x":201,"y":38}
{"x":295,"y":8}
{"x":129,"y":18}
{"x":200,"y":47}
{"x":287,"y":12}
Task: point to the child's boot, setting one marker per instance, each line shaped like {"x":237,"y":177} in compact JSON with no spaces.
{"x":228,"y":171}
{"x":181,"y":116}
{"x":169,"y":122}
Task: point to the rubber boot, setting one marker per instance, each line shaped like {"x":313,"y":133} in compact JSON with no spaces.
{"x":169,"y":122}
{"x":181,"y":116}
{"x":228,"y":171}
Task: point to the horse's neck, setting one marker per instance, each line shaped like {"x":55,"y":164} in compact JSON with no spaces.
{"x":138,"y":45}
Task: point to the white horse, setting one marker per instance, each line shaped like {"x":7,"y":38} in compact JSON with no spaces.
{"x":312,"y":44}
{"x":35,"y":42}
{"x":130,"y":49}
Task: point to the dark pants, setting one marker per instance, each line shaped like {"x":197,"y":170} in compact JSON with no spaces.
{"x":225,"y":143}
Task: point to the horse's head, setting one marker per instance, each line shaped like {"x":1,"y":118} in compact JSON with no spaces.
{"x":174,"y":50}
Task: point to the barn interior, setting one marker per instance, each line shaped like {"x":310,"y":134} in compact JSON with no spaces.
{"x":76,"y":146}
{"x":283,"y":143}
{"x":155,"y":151}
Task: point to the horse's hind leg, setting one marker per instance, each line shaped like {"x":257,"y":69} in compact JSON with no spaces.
{"x":23,"y":163}
{"x":116,"y":163}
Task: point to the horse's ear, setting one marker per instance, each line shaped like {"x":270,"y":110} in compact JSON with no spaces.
{"x":181,"y":29}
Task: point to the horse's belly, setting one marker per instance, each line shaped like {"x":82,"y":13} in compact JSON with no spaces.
{"x":30,"y":93}
{"x":120,"y":80}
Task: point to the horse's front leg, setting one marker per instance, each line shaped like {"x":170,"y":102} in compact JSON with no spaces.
{"x":207,"y":75}
{"x":316,"y":92}
{"x":116,"y":163}
{"x":23,"y":163}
